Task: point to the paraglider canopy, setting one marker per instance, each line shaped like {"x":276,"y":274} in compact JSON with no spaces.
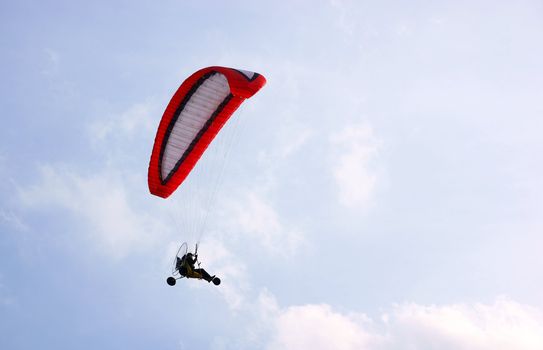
{"x":196,"y":113}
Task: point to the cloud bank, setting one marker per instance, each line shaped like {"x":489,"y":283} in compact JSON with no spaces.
{"x":100,"y":204}
{"x":501,"y":325}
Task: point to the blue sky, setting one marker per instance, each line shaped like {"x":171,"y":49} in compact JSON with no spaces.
{"x":383,"y":191}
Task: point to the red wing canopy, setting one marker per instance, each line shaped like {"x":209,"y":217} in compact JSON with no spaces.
{"x":196,"y":113}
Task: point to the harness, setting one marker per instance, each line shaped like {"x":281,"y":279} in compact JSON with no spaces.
{"x":185,"y":269}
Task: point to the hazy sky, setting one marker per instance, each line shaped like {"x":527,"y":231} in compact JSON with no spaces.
{"x":384,"y":189}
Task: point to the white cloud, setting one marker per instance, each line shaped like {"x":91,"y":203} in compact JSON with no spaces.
{"x":11,"y":219}
{"x":107,"y":204}
{"x":319,"y":327}
{"x":100,"y":204}
{"x":255,"y":217}
{"x":137,"y":120}
{"x":355,"y":178}
{"x":289,"y":147}
{"x":220,"y":261}
{"x":292,"y":137}
{"x":502,"y":325}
